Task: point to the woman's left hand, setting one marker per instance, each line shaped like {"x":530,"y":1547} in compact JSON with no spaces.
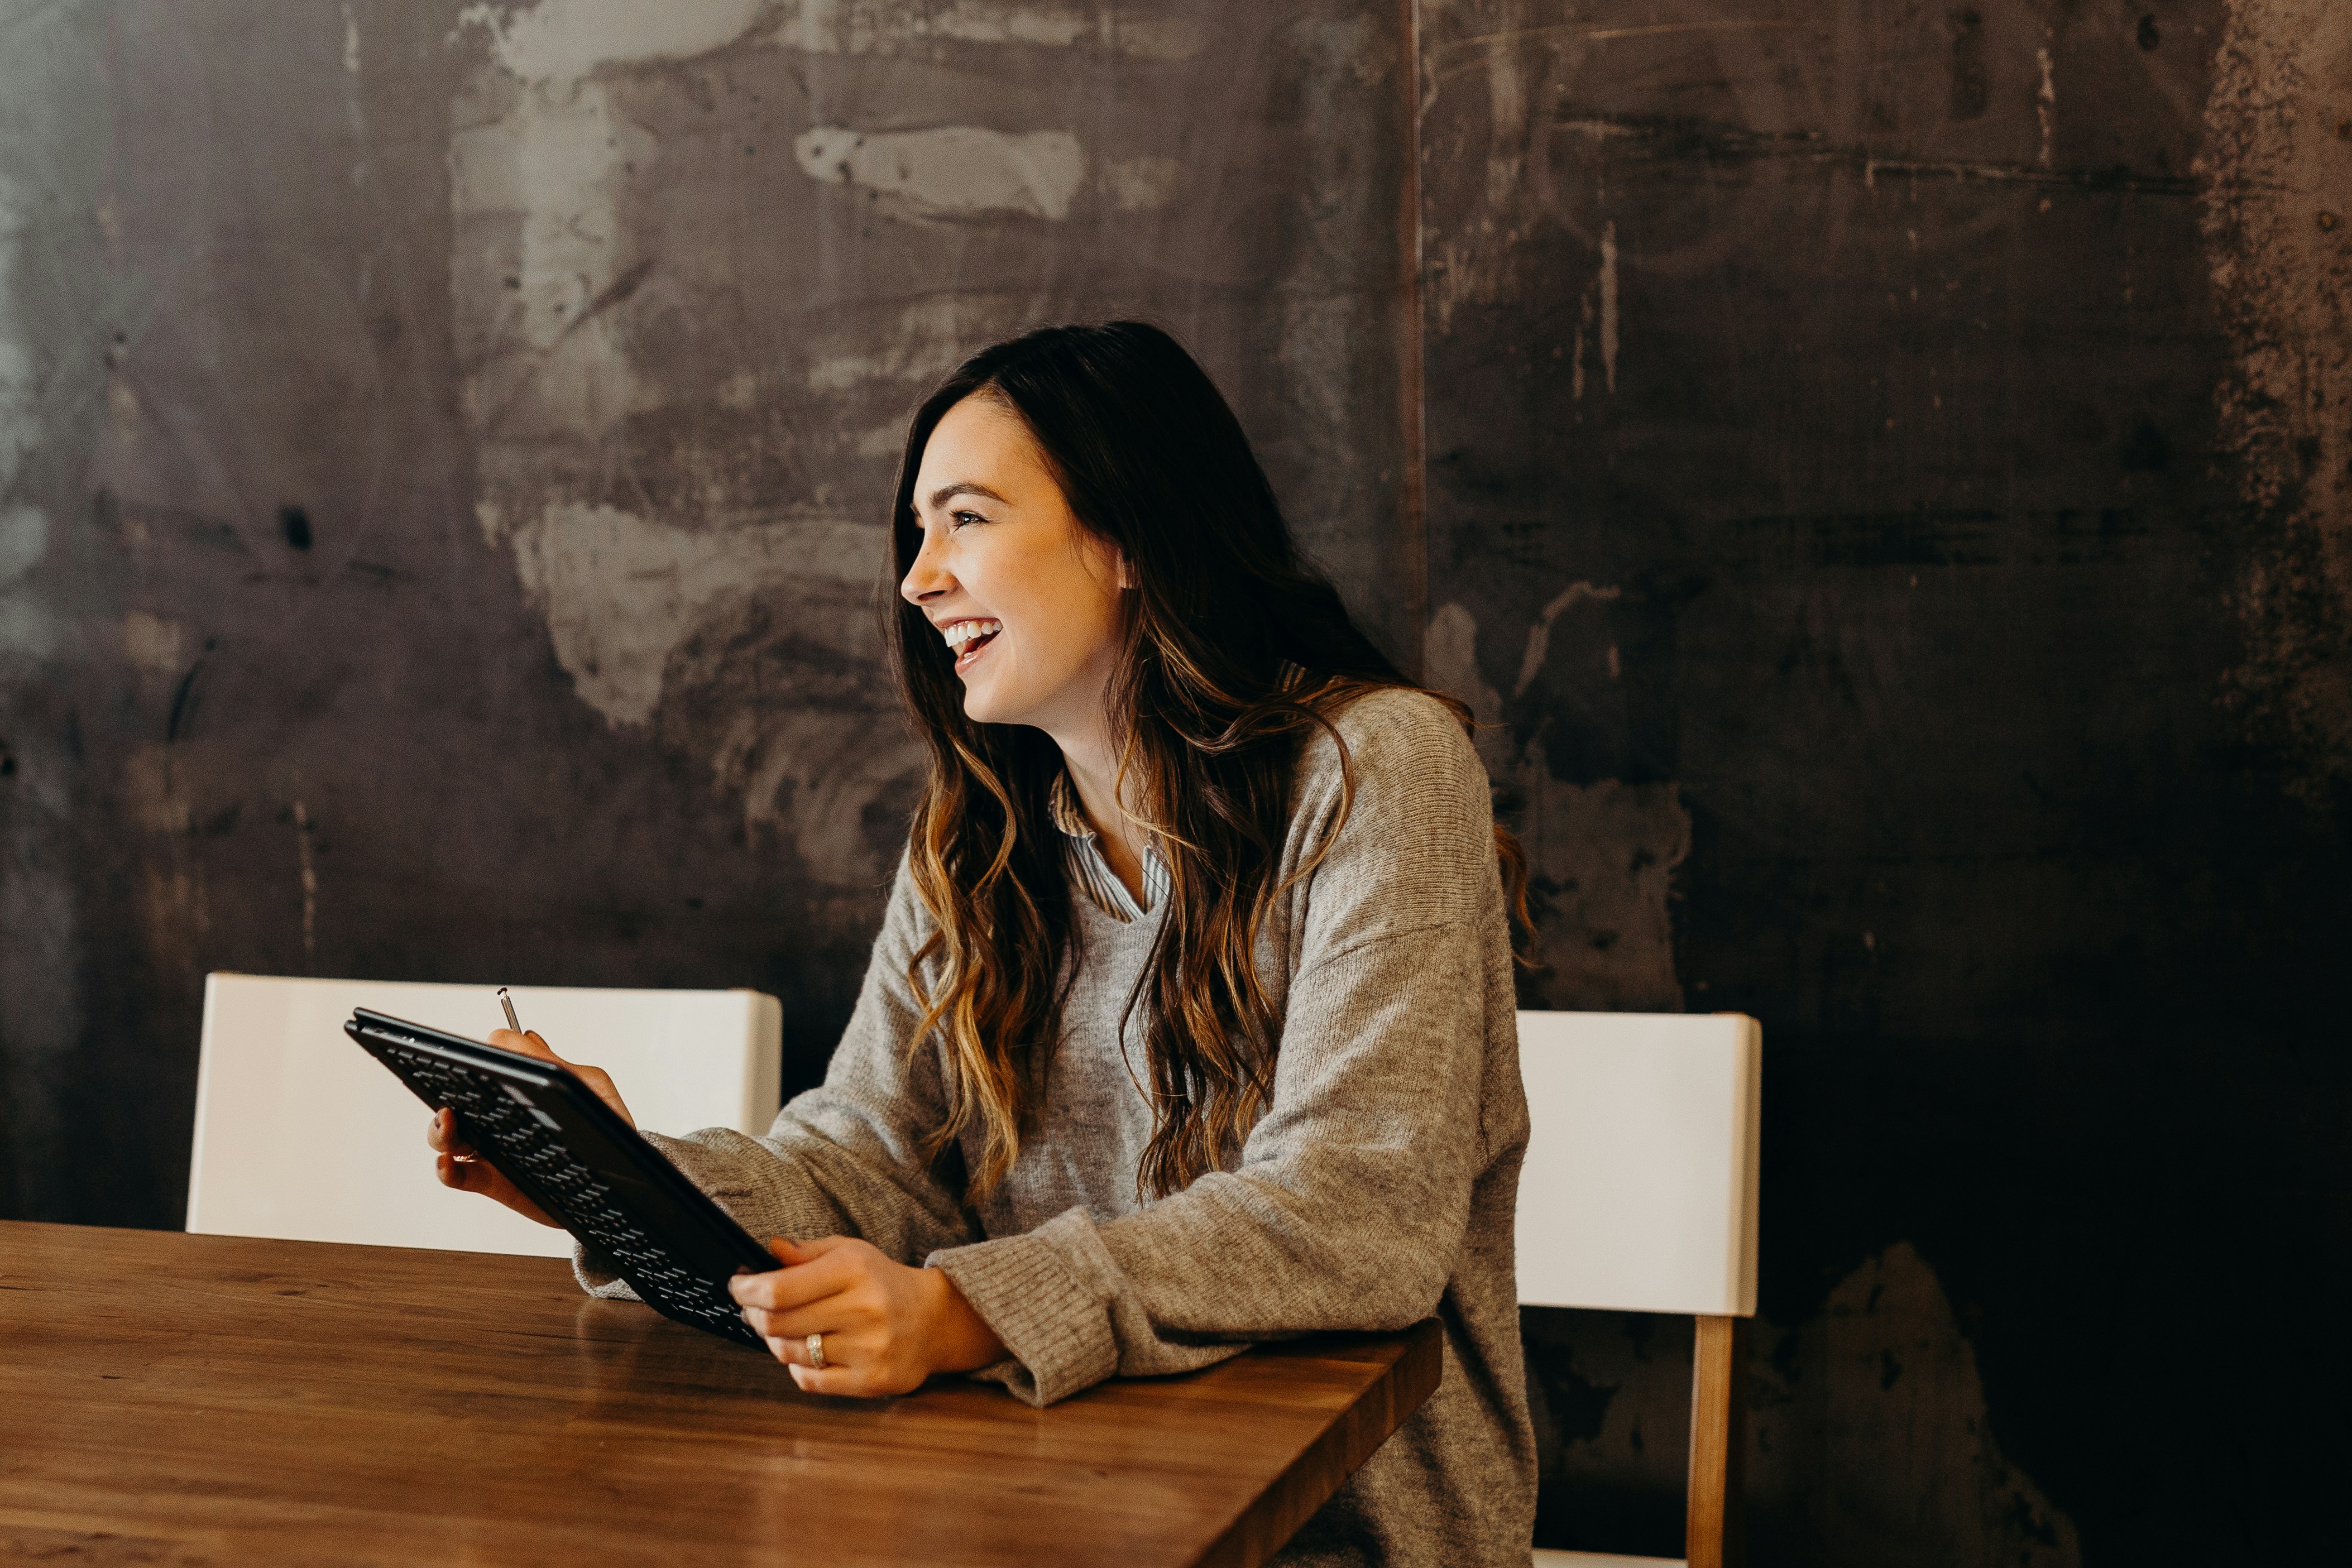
{"x":887,"y":1327}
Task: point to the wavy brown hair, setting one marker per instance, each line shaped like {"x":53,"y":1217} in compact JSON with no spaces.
{"x":1208,"y":730}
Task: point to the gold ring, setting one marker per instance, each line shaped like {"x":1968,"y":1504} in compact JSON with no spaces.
{"x":817,"y":1352}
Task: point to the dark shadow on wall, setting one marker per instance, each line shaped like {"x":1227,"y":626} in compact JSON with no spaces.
{"x":1901,"y":569}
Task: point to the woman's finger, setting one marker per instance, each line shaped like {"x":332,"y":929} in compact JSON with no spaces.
{"x":441,"y":1135}
{"x":524,"y":1043}
{"x":782,"y":1289}
{"x":843,"y":1312}
{"x":480,"y":1176}
{"x":793,"y":1349}
{"x":858,"y":1381}
{"x":475,"y":1175}
{"x":836,"y":1380}
{"x":465,"y":1175}
{"x":600,"y":1083}
{"x":832,"y":1315}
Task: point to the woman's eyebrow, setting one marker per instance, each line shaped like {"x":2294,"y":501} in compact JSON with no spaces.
{"x":940,"y":497}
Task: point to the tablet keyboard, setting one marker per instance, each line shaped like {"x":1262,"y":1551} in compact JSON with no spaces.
{"x":498,"y":1114}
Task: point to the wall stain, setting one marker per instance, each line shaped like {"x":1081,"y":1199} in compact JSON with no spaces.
{"x":1880,"y":1448}
{"x":2283,"y":282}
{"x":1601,"y":853}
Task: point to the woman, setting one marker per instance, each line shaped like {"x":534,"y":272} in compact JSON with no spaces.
{"x":1190,"y":1021}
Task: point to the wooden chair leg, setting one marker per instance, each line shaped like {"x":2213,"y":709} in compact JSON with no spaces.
{"x":1713,"y":1534}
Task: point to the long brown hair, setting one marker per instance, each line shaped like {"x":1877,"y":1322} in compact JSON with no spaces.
{"x":1208,"y":717}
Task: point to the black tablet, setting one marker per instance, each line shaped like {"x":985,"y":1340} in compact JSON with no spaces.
{"x":573,"y":1155}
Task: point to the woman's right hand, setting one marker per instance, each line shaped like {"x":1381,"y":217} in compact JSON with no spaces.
{"x":459,"y":1165}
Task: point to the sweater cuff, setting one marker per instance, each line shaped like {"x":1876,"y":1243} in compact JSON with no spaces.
{"x":1054,"y":1322}
{"x":596,"y":1274}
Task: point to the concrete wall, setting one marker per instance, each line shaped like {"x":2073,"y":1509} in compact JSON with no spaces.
{"x":1890,"y":477}
{"x":445,"y":444}
{"x":1887,"y":486}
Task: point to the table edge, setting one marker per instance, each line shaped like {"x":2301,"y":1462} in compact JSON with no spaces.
{"x":1271,"y":1518}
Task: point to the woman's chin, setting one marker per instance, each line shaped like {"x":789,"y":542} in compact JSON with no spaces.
{"x":981,"y":707}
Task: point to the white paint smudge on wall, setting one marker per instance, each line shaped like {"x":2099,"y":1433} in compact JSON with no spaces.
{"x":951,"y":171}
{"x":355,"y":116}
{"x":1531,"y":662}
{"x":1506,"y":95}
{"x":1605,"y":284}
{"x":621,"y":593}
{"x":26,"y":625}
{"x":557,"y":43}
{"x":878,"y":27}
{"x":1141,"y":184}
{"x":1609,"y":303}
{"x":153,"y":645}
{"x":24,"y":543}
{"x":568,"y":39}
{"x":931,"y":337}
{"x":2045,"y":103}
{"x":536,"y":198}
{"x":2276,"y":177}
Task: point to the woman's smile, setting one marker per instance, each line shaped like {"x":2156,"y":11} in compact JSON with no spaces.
{"x":968,"y":635}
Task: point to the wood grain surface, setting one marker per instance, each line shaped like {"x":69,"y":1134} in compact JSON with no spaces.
{"x":182,"y":1400}
{"x":1712,"y":1536}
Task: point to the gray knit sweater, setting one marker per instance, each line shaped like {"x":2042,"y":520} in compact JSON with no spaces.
{"x":1376,"y":1191}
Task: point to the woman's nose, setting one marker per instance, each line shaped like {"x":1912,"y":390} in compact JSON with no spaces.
{"x":926,"y":578}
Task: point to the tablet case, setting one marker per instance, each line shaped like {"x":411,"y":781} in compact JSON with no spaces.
{"x":571,"y":1154}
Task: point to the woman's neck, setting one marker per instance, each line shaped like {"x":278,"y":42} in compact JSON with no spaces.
{"x":1094,"y":772}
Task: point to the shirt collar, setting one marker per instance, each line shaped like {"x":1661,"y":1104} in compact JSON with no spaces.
{"x":1062,"y":805}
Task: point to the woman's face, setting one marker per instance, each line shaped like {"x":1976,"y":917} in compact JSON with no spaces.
{"x":1024,"y":596}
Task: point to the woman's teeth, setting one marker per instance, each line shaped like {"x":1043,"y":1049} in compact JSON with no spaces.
{"x":962,"y":635}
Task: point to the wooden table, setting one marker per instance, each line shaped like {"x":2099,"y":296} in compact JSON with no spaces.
{"x":184,"y":1400}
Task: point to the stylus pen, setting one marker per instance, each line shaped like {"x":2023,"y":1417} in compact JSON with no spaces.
{"x":507,"y":1002}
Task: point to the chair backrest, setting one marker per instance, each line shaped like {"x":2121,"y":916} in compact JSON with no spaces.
{"x":1639,"y":1190}
{"x":300,"y":1134}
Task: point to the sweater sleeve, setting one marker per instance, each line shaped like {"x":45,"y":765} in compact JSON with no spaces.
{"x":844,"y":1159}
{"x":1349,"y":1205}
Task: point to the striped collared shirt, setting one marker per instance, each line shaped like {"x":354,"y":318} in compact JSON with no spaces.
{"x":1088,"y":866}
{"x":1090,"y":869}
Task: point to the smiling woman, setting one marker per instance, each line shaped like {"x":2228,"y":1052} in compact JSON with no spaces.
{"x":1191,"y":1021}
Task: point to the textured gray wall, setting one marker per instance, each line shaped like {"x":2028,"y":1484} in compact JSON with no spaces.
{"x":1887,"y":485}
{"x":445,"y":461}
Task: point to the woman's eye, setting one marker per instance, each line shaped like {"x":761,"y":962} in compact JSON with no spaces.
{"x":960,"y":518}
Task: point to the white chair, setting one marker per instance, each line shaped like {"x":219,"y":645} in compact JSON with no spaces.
{"x":1639,"y":1195}
{"x":301,"y":1135}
